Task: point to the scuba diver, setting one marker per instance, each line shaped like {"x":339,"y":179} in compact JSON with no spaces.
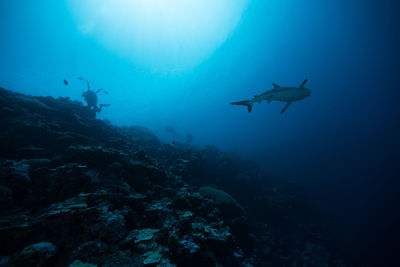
{"x":91,"y":97}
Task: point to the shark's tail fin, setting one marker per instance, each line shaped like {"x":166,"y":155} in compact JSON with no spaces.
{"x":244,"y":103}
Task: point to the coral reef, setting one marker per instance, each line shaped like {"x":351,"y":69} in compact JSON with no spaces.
{"x":78,"y":191}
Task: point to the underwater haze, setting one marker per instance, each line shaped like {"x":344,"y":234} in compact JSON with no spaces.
{"x":174,"y":67}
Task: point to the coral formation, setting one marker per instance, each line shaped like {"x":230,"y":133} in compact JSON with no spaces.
{"x":78,"y":191}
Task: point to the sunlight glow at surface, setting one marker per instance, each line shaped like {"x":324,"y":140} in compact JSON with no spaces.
{"x":165,"y":35}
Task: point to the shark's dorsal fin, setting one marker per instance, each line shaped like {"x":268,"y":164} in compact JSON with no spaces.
{"x":275,"y":85}
{"x":303,"y":83}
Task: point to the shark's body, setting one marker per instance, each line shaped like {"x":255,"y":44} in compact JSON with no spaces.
{"x":283,"y":94}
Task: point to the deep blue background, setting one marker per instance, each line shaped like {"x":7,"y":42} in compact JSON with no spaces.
{"x":341,"y":144}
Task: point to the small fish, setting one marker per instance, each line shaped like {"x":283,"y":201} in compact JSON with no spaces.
{"x":65,"y":82}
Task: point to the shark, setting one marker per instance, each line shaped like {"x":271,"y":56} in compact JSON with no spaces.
{"x":278,"y":93}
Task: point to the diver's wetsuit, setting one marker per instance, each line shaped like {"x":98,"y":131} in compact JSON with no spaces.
{"x":91,"y":97}
{"x":91,"y":100}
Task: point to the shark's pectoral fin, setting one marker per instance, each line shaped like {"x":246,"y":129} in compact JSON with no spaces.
{"x":269,"y":99}
{"x":287,"y":105}
{"x":303,"y":83}
{"x":275,"y":85}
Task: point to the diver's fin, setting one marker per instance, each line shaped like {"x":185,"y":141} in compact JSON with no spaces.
{"x":101,"y":89}
{"x":88,"y":85}
{"x":303,"y":83}
{"x":275,"y":85}
{"x":244,"y":103}
{"x":101,"y":106}
{"x":287,"y":105}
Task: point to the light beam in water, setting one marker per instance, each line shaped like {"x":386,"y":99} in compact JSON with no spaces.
{"x":165,"y":35}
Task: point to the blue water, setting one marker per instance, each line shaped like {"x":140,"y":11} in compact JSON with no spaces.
{"x":341,"y":143}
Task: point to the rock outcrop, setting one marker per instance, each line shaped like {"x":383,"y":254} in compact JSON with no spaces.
{"x":77,"y":191}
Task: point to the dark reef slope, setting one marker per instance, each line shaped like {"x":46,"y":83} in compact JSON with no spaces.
{"x":77,"y":191}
